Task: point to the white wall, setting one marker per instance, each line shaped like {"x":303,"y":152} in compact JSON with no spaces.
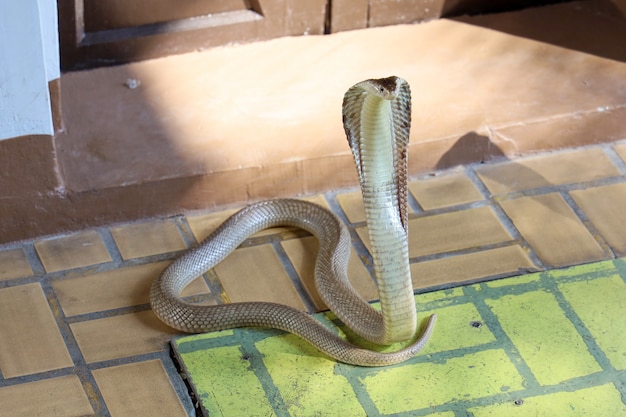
{"x":29,"y":58}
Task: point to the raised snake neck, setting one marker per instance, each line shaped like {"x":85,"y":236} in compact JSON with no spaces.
{"x":376,"y":117}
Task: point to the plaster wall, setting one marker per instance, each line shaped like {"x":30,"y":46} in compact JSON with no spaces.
{"x":29,"y":59}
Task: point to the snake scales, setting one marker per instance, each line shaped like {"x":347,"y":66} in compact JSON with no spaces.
{"x":376,"y":115}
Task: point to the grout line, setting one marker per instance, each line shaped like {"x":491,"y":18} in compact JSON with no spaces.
{"x":615,"y":158}
{"x":33,"y":259}
{"x":504,"y":218}
{"x":185,"y":231}
{"x":110,"y":245}
{"x":294,"y":277}
{"x":569,"y":312}
{"x":85,"y":376}
{"x":591,"y":228}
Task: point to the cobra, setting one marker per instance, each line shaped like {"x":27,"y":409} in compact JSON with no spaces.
{"x":376,"y":117}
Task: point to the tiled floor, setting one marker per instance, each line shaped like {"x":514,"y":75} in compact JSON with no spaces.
{"x":78,"y":337}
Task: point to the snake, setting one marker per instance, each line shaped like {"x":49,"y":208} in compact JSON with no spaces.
{"x":376,"y":118}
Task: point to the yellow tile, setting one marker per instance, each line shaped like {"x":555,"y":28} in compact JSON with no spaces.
{"x":445,"y":191}
{"x":546,"y":339}
{"x":31,"y":341}
{"x":121,"y":336}
{"x":302,"y":254}
{"x":138,"y":389}
{"x":256,"y":274}
{"x":605,"y":207}
{"x":55,"y":397}
{"x":451,"y":231}
{"x":13,"y":264}
{"x":600,"y":305}
{"x":553,"y":230}
{"x":118,"y":288}
{"x":145,"y":239}
{"x":600,"y":401}
{"x":73,"y":251}
{"x":352,"y":206}
{"x":470,"y":376}
{"x":546,"y":170}
{"x":461,"y":268}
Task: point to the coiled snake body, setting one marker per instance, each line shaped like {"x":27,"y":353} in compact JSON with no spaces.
{"x":376,"y":115}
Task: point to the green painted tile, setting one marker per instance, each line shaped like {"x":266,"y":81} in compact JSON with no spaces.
{"x":306,"y":379}
{"x":225,"y":384}
{"x":439,"y":295}
{"x":583,"y":270}
{"x":524,"y":279}
{"x":601,"y":305}
{"x":544,"y":337}
{"x":455,"y":331}
{"x":602,"y":401}
{"x":268,"y":372}
{"x":419,"y":386}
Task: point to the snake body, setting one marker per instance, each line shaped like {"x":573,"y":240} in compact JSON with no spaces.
{"x":376,"y":116}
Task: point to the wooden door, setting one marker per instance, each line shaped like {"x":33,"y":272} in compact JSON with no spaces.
{"x":108,"y":32}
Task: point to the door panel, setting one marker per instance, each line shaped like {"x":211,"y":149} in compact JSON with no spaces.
{"x":108,"y":32}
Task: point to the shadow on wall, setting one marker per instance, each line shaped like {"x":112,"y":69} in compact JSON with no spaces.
{"x":596,"y":27}
{"x":470,"y":148}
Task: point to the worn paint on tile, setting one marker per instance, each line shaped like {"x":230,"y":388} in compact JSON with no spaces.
{"x":73,"y":251}
{"x":601,"y":401}
{"x":539,"y":330}
{"x":589,"y":300}
{"x":493,"y":344}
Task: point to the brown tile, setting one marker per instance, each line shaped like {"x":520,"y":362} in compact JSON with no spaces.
{"x":13,"y":264}
{"x":202,"y":225}
{"x":55,"y":397}
{"x":444,"y":191}
{"x":546,"y":170}
{"x":256,"y":274}
{"x":145,"y":239}
{"x":462,"y":268}
{"x":451,"y":231}
{"x":123,"y":287}
{"x":138,"y":389}
{"x":31,"y":341}
{"x":605,"y":207}
{"x":352,"y":206}
{"x":302,"y":254}
{"x":73,"y":251}
{"x":553,"y":230}
{"x":621,"y":150}
{"x":121,"y":336}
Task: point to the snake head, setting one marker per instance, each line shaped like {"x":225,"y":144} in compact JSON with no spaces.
{"x":385,"y":88}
